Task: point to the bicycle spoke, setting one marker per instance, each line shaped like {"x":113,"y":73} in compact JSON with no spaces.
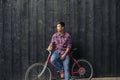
{"x":36,"y":69}
{"x":85,"y":70}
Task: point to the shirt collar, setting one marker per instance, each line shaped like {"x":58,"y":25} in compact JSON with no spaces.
{"x":58,"y":34}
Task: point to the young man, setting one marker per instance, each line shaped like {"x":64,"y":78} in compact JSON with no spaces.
{"x":62,"y":42}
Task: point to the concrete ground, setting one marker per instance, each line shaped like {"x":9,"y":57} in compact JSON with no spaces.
{"x":104,"y":78}
{"x":107,"y":78}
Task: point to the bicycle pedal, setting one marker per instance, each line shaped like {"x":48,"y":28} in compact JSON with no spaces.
{"x":73,"y":78}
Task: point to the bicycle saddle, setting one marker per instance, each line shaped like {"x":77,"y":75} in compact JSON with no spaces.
{"x":73,"y":49}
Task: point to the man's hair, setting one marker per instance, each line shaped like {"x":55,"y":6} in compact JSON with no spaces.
{"x":62,"y":24}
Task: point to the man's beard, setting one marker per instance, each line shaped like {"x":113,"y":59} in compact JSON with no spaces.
{"x":60,"y":31}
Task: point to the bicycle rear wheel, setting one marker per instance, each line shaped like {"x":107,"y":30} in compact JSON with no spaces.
{"x":34,"y":70}
{"x":84,"y":72}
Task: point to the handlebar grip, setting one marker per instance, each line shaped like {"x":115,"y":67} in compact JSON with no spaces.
{"x":49,"y":51}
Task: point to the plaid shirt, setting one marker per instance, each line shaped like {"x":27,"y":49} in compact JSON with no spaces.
{"x":61,"y":42}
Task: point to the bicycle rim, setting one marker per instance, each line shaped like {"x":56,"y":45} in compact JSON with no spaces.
{"x":85,"y":72}
{"x":34,"y":70}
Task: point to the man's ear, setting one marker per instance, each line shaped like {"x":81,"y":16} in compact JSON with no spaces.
{"x":62,"y":27}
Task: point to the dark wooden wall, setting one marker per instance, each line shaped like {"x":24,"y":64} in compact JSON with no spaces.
{"x":26,"y":27}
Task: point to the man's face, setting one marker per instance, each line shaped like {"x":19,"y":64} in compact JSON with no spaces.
{"x":59,"y":28}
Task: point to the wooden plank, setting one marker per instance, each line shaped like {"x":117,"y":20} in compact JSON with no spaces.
{"x":81,"y":26}
{"x":55,"y":14}
{"x":16,"y":40}
{"x":89,"y":30}
{"x":7,"y":40}
{"x":118,"y":34}
{"x":1,"y":41}
{"x":49,"y":24}
{"x":64,"y":12}
{"x":32,"y":31}
{"x":59,"y":10}
{"x":105,"y":37}
{"x":24,"y":36}
{"x":41,"y":48}
{"x":112,"y":37}
{"x":97,"y":37}
{"x":1,"y":23}
{"x":73,"y":15}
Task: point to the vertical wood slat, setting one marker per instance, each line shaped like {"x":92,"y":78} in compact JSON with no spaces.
{"x":81,"y":26}
{"x":5,"y":42}
{"x":73,"y":23}
{"x":118,"y":33}
{"x":7,"y":39}
{"x":89,"y":30}
{"x":49,"y":26}
{"x":41,"y":30}
{"x":105,"y":36}
{"x":24,"y":15}
{"x":112,"y":37}
{"x":97,"y":36}
{"x":32,"y":31}
{"x":1,"y":41}
{"x":16,"y":40}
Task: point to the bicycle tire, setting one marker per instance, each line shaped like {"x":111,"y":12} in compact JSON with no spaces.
{"x":87,"y":73}
{"x":35,"y":69}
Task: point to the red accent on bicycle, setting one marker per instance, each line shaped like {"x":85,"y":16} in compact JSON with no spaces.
{"x":81,"y":69}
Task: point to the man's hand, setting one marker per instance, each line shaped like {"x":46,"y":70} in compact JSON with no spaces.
{"x":50,"y":48}
{"x":62,"y":56}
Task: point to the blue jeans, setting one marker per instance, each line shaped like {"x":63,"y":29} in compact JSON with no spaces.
{"x":55,"y":59}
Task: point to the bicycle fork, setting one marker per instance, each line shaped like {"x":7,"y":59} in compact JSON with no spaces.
{"x":45,"y":66}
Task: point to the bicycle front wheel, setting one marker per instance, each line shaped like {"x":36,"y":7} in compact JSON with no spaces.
{"x":82,"y":70}
{"x":36,"y":69}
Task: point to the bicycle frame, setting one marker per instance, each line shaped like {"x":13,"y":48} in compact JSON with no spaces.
{"x":45,"y":65}
{"x":78,"y":68}
{"x":75,"y":61}
{"x":72,"y":59}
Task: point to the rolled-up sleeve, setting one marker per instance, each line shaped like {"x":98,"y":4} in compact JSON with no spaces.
{"x":69,"y":42}
{"x":52,"y":40}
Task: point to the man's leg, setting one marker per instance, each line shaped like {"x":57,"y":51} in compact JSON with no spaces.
{"x":55,"y":58}
{"x":66,"y":62}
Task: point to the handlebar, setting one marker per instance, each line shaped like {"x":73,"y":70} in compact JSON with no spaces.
{"x":49,"y":52}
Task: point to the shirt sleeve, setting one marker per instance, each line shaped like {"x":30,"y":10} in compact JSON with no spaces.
{"x":69,"y":42}
{"x":52,"y":40}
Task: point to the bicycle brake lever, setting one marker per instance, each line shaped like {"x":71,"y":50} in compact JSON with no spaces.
{"x":49,"y":52}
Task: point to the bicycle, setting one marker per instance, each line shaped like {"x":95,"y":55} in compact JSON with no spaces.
{"x":81,"y":69}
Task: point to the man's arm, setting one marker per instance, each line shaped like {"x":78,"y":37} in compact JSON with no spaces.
{"x":50,"y":47}
{"x":65,"y":53}
{"x":69,"y":45}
